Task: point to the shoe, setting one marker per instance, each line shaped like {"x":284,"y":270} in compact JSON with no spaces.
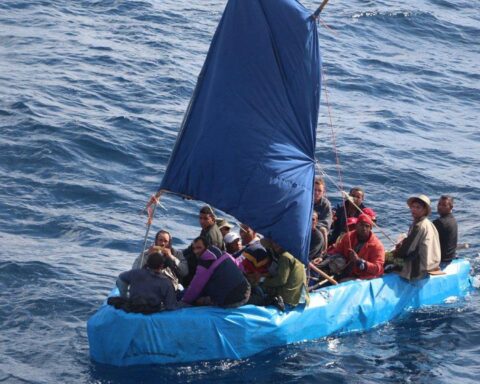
{"x":278,"y":302}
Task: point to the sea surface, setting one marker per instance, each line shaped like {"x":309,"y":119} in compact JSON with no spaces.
{"x":92,"y":95}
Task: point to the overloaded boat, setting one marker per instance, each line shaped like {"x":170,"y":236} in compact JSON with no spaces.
{"x":247,"y":147}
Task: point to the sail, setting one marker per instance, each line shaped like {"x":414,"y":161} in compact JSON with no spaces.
{"x":248,"y":139}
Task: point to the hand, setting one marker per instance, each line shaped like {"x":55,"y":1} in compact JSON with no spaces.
{"x":317,"y":261}
{"x":168,"y":253}
{"x":353,"y":255}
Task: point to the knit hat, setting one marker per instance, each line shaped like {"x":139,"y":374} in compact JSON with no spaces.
{"x":364,"y":218}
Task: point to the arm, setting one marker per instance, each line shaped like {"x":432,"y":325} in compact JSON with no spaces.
{"x":195,"y":288}
{"x":178,"y":263}
{"x":376,"y":260}
{"x":170,"y":300}
{"x":325,"y":216}
{"x":123,"y":281}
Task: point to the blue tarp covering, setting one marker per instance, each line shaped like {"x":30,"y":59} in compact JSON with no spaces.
{"x":248,"y":138}
{"x":206,"y":333}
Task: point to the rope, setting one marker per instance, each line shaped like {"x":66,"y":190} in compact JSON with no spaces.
{"x":337,"y":157}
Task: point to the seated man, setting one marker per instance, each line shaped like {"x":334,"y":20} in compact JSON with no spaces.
{"x":290,"y":279}
{"x":233,"y":243}
{"x":216,"y":282}
{"x":317,"y":242}
{"x":420,"y":250}
{"x":255,"y":257}
{"x":355,"y":199}
{"x":224,"y":226}
{"x":323,"y":208}
{"x":146,"y":290}
{"x":210,"y":233}
{"x":362,"y":250}
{"x":447,"y":228}
{"x":176,"y":265}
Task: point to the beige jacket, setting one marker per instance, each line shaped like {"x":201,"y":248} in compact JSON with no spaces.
{"x":420,"y":250}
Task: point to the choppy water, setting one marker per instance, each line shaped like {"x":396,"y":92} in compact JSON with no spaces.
{"x":92,"y":94}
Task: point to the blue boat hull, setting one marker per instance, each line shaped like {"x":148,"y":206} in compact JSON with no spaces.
{"x":206,"y":333}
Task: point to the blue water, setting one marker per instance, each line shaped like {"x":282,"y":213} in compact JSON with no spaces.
{"x":92,"y":94}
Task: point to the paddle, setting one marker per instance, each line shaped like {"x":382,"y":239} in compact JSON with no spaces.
{"x":323,"y":274}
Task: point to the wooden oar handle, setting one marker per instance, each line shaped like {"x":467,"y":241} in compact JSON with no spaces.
{"x":321,"y":273}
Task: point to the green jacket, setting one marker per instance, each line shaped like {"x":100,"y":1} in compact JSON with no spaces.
{"x":289,"y":281}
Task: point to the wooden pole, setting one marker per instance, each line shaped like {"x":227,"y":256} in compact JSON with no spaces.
{"x":323,"y":274}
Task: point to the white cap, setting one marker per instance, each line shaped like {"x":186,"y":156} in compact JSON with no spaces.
{"x":230,"y":237}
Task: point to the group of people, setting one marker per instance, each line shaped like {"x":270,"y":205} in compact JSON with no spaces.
{"x":227,"y":269}
{"x":344,"y":243}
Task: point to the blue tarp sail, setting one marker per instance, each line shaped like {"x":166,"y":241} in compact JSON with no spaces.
{"x":248,"y":138}
{"x":207,"y":333}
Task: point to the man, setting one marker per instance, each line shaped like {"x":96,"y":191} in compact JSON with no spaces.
{"x":317,"y":240}
{"x":176,"y":264}
{"x":363,"y":251}
{"x":290,"y":279}
{"x":149,"y":289}
{"x":210,"y":233}
{"x":323,"y":208}
{"x":224,"y":226}
{"x":233,"y":243}
{"x":420,"y":250}
{"x":355,"y":199}
{"x":216,"y":282}
{"x":447,"y":228}
{"x":255,"y":257}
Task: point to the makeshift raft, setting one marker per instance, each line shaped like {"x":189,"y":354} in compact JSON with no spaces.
{"x":208,"y":333}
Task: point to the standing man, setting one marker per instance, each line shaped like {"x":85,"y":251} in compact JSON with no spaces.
{"x":447,"y":228}
{"x":323,"y":208}
{"x":212,"y":236}
{"x":421,"y":248}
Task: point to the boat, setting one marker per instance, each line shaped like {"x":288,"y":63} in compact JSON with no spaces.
{"x":247,"y":147}
{"x":206,"y":333}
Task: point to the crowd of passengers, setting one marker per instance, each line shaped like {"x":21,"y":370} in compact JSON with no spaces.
{"x":229,"y":269}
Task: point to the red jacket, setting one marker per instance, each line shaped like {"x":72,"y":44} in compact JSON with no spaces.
{"x":372,"y":252}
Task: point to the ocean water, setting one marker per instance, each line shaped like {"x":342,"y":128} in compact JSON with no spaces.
{"x":92,"y":94}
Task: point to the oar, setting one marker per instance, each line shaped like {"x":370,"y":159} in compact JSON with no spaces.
{"x":323,"y":274}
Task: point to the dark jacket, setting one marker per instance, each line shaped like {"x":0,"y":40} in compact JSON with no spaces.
{"x":148,"y":286}
{"x":448,"y":234}
{"x":220,"y":279}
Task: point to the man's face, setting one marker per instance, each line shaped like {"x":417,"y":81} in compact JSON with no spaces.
{"x":444,"y":207}
{"x":363,"y":230}
{"x":314,"y":220}
{"x":198,"y":248}
{"x":357,"y":197}
{"x":246,"y":234}
{"x":162,"y":240}
{"x":224,"y":231}
{"x":234,"y":246}
{"x":206,"y":220}
{"x":418,"y":210}
{"x":318,"y":192}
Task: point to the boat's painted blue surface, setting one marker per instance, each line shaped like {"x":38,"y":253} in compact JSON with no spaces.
{"x":206,"y":333}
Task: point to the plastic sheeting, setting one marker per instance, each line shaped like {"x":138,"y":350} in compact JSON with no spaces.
{"x":247,"y":144}
{"x":206,"y":333}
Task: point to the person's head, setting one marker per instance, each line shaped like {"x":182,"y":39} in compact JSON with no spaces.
{"x":314,"y":220}
{"x":232,"y":242}
{"x":370,"y":212}
{"x":163,"y":239}
{"x":199,"y":246}
{"x":206,"y":217}
{"x":351,"y":223}
{"x":419,"y":206}
{"x":247,"y":234}
{"x":318,"y":189}
{"x":357,"y":194}
{"x":224,"y":226}
{"x":156,"y":261}
{"x":364,"y":227}
{"x":445,"y":205}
